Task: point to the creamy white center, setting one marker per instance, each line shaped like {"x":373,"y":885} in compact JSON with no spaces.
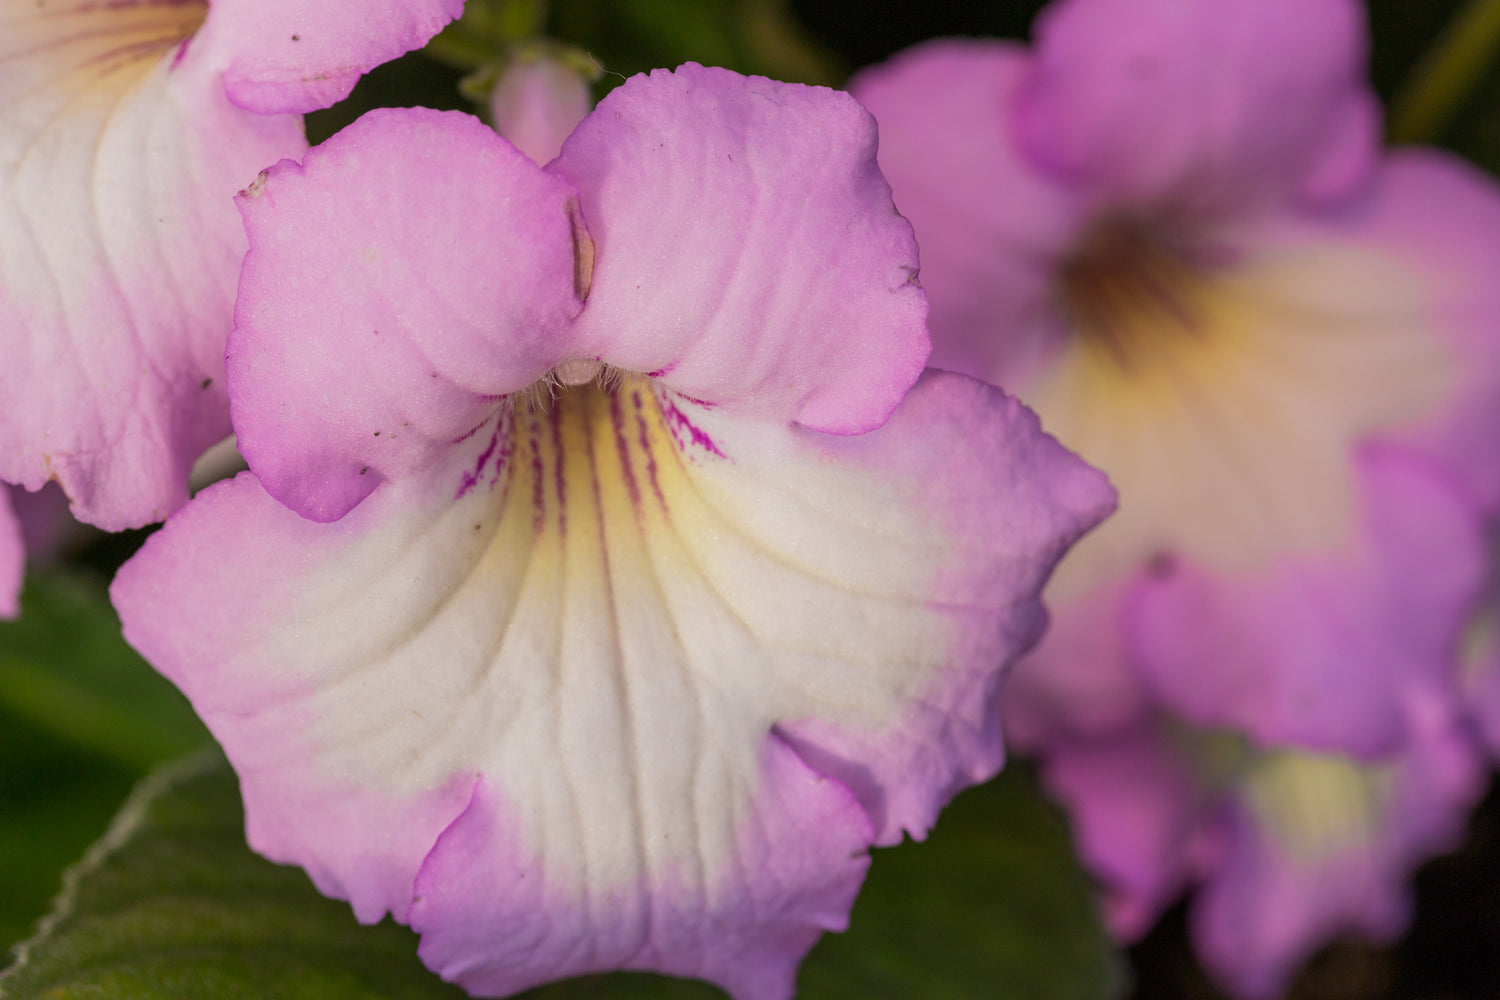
{"x":1222,"y":392}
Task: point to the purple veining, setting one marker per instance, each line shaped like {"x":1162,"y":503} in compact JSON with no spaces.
{"x":684,"y":430}
{"x":182,"y":51}
{"x":617,"y":421}
{"x":471,"y":431}
{"x":502,"y":460}
{"x":644,"y":436}
{"x":471,"y":479}
{"x":538,"y":490}
{"x":559,"y":469}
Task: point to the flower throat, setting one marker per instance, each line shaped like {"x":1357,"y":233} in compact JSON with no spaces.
{"x":1133,"y":292}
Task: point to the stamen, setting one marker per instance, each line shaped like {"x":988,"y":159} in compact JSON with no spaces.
{"x":579,"y":371}
{"x":583,"y":251}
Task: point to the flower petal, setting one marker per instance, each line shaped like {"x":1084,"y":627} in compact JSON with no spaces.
{"x":669,"y":644}
{"x":992,"y":227}
{"x":12,"y":557}
{"x":1136,"y":804}
{"x":290,"y":55}
{"x":1438,"y":220}
{"x":747,"y":250}
{"x":118,"y":251}
{"x":1326,"y":650}
{"x":1207,"y":106}
{"x":1079,"y":682}
{"x":799,"y":858}
{"x":371,"y":330}
{"x":1231,"y":435}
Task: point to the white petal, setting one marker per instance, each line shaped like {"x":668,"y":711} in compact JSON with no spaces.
{"x":614,"y":619}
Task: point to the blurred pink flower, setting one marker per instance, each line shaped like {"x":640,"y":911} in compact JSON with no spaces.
{"x":12,"y":557}
{"x":537,"y":102}
{"x":1287,"y":848}
{"x":1170,"y":229}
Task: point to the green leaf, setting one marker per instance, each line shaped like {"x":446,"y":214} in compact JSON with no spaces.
{"x":994,"y":904}
{"x":54,"y":800}
{"x":66,"y":670}
{"x":171,"y":904}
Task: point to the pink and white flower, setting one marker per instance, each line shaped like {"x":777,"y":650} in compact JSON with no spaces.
{"x":126,"y":127}
{"x":609,"y":577}
{"x":1170,"y":228}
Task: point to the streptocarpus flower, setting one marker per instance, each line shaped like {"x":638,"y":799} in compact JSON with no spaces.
{"x":607,"y":580}
{"x":1169,"y":228}
{"x":1291,"y":848}
{"x":125,"y":130}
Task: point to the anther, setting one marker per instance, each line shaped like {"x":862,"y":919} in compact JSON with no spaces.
{"x":578,"y":371}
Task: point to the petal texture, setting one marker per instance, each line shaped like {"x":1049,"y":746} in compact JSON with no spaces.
{"x":1212,"y":108}
{"x":371,"y":331}
{"x":655,"y":674}
{"x":118,"y":250}
{"x":747,"y":250}
{"x":288,"y":55}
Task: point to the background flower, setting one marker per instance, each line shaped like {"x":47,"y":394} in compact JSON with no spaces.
{"x":1168,"y":227}
{"x":125,"y":130}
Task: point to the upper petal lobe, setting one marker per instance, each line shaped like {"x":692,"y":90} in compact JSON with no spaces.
{"x":747,"y":250}
{"x":1208,"y":108}
{"x":374,"y":328}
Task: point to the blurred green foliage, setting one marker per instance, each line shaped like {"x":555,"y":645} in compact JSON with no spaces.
{"x":81,"y":718}
{"x":172,"y":904}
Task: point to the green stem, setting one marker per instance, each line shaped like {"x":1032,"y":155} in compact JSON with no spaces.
{"x":1446,"y":75}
